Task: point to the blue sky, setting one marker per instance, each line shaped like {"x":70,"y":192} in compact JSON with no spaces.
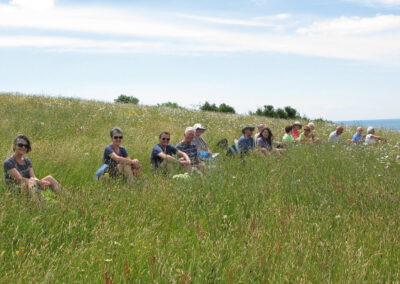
{"x":339,"y":60}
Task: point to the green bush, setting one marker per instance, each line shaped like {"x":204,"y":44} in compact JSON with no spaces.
{"x":170,"y":104}
{"x":126,"y":99}
{"x":213,"y":107}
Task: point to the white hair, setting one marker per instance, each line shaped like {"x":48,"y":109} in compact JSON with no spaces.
{"x":370,"y":130}
{"x":358,"y":128}
{"x":188,"y":129}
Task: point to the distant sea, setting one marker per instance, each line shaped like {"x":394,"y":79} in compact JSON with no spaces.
{"x":393,"y":124}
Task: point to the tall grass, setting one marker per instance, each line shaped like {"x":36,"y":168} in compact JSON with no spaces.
{"x":325,"y":213}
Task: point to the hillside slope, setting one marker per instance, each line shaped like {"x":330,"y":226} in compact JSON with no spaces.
{"x":325,"y":212}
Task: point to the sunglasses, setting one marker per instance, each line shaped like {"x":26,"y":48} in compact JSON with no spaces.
{"x":118,"y":137}
{"x":165,"y":139}
{"x":22,"y":145}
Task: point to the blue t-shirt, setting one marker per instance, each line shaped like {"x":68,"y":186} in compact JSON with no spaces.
{"x":112,"y":165}
{"x":11,"y":163}
{"x":245,"y":145}
{"x":190,"y":150}
{"x":357,"y":137}
{"x":155,"y":159}
{"x":263,"y":143}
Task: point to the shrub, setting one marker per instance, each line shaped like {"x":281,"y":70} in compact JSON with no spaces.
{"x":170,"y":104}
{"x":280,"y":113}
{"x":126,"y":99}
{"x":291,"y":112}
{"x":269,"y":111}
{"x":213,"y":107}
{"x":209,"y":107}
{"x":226,"y":108}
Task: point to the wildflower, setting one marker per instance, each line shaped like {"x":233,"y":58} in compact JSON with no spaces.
{"x":382,"y":195}
{"x":17,"y":252}
{"x":108,"y":260}
{"x":224,"y":217}
{"x":393,"y":200}
{"x":145,"y":247}
{"x":337,"y":216}
{"x":138,"y":250}
{"x":379,"y":175}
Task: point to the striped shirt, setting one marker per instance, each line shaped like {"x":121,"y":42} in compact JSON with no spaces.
{"x":200,"y":143}
{"x":190,"y":150}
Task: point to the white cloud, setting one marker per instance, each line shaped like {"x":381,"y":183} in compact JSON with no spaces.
{"x":224,"y":21}
{"x":277,"y":17}
{"x":33,"y":4}
{"x":72,"y":44}
{"x":353,"y":25}
{"x":151,"y":32}
{"x":374,"y":3}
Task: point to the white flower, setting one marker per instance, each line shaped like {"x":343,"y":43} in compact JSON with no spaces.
{"x":337,"y":216}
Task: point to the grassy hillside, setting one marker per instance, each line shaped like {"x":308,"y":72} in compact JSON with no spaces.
{"x":318,"y":213}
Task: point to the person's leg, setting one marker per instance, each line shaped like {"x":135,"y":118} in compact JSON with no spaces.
{"x":32,"y":188}
{"x":126,"y":170}
{"x":201,"y":167}
{"x":55,"y":186}
{"x":136,"y":169}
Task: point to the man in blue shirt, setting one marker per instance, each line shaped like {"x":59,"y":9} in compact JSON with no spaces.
{"x":358,"y":137}
{"x":246,"y":142}
{"x":161,"y":156}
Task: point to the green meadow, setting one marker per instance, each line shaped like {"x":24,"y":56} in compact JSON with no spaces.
{"x":318,"y":213}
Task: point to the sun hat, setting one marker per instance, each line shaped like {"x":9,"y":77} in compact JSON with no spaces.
{"x":247,"y":127}
{"x":198,"y":126}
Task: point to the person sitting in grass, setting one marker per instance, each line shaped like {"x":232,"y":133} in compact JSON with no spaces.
{"x":260,"y":127}
{"x":161,"y":155}
{"x":288,"y":137}
{"x":336,"y":135}
{"x":306,"y":135}
{"x":187,"y":146}
{"x":117,"y":159}
{"x":296,"y":130}
{"x":202,"y":147}
{"x":358,"y":136}
{"x":246,"y":142}
{"x":264,"y":142}
{"x":312,"y":128}
{"x":371,"y":137}
{"x":19,"y":174}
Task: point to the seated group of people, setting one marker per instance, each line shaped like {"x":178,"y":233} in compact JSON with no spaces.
{"x":190,"y":153}
{"x":292,"y":133}
{"x":358,"y":137}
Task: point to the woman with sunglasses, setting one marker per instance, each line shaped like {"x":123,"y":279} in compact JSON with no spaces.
{"x":117,"y":159}
{"x":18,"y":171}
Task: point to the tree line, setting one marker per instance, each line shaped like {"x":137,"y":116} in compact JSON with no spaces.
{"x":287,"y":112}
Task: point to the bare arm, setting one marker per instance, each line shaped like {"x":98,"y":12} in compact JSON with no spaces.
{"x":120,"y":159}
{"x":378,"y":138}
{"x":17,"y":176}
{"x":184,"y":156}
{"x":166,"y":157}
